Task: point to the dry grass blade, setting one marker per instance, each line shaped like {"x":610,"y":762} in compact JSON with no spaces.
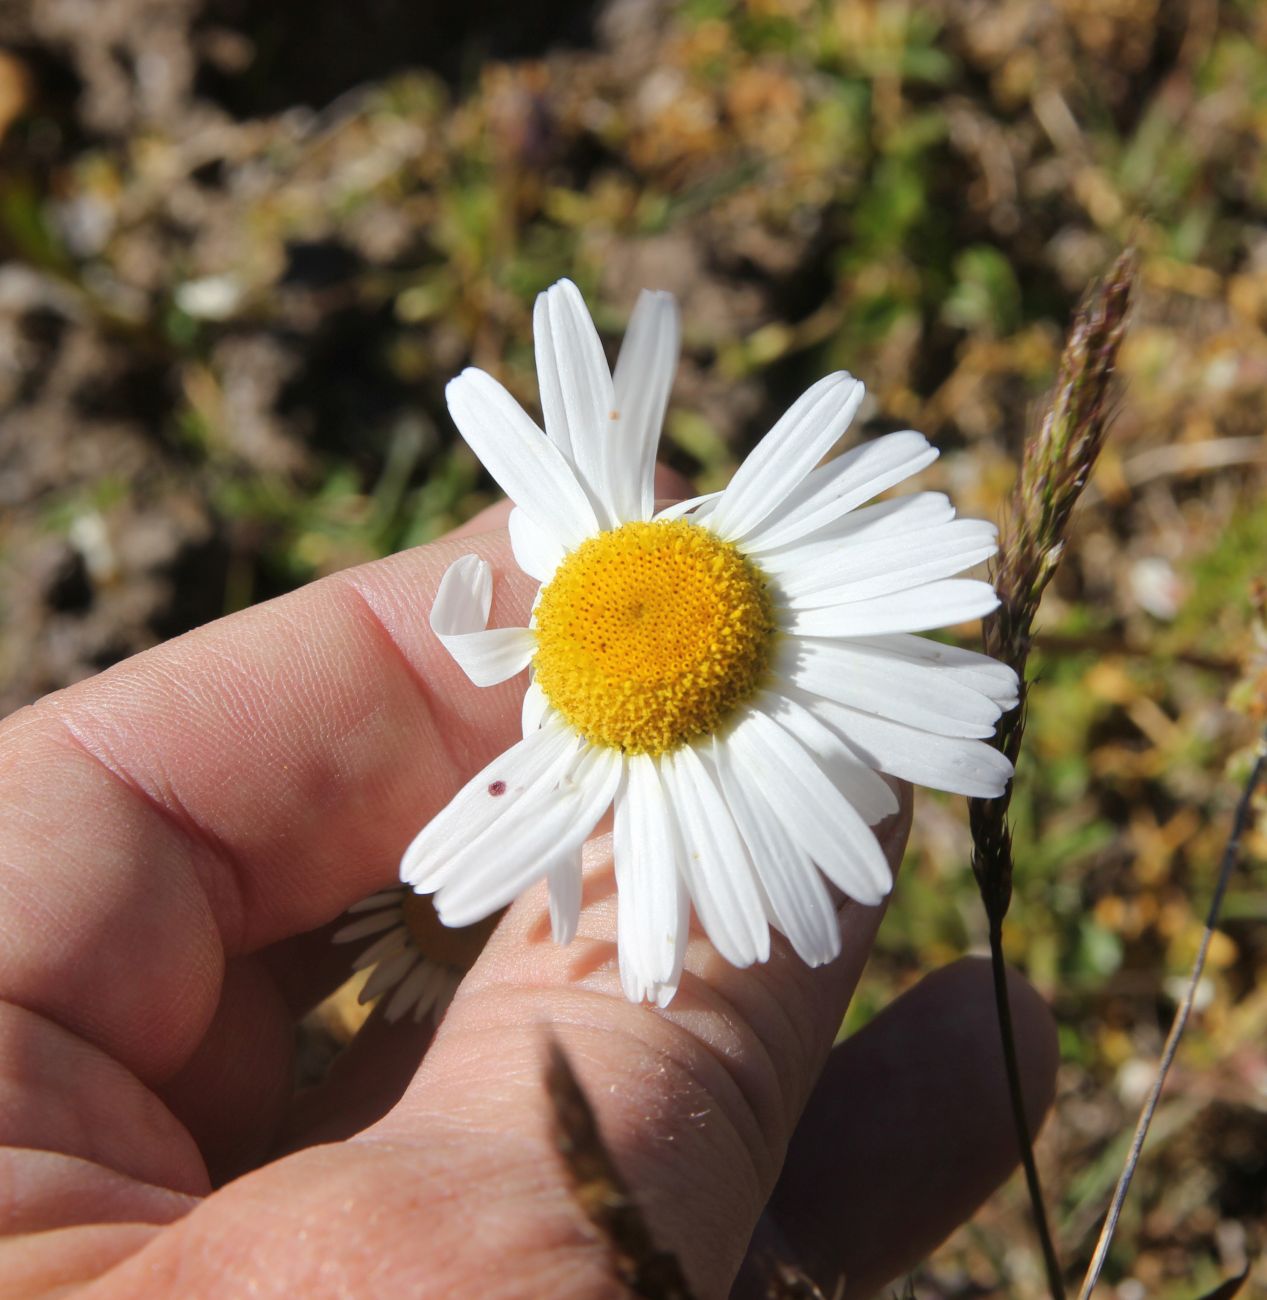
{"x":1231,"y":854}
{"x":601,"y":1192}
{"x":1055,"y":468}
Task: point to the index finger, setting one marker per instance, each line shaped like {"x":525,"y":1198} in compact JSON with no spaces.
{"x":240,"y":784}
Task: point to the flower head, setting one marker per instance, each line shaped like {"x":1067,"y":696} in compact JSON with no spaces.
{"x":412,"y":957}
{"x":731,"y":674}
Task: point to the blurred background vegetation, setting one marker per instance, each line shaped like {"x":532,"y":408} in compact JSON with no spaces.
{"x":244,"y":246}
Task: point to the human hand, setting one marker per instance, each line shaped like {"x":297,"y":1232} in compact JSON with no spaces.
{"x":180,"y":834}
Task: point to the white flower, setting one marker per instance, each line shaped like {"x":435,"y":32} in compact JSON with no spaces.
{"x":732,"y":674}
{"x":412,"y":956}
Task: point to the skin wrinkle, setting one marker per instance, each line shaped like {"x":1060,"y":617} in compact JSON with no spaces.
{"x":732,"y":1136}
{"x":60,"y":1092}
{"x":512,"y":1212}
{"x":41,"y":1189}
{"x":426,"y":694}
{"x":764,"y":1079}
{"x":745,"y":1133}
{"x":709,"y":995}
{"x":88,"y":999}
{"x":693,"y":1178}
{"x":787,"y":1084}
{"x":348,"y":582}
{"x":749,"y":1139}
{"x":751,"y":1098}
{"x":376,"y":638}
{"x":448,"y":726}
{"x":683,"y":1054}
{"x":227,"y":906}
{"x":78,"y":1255}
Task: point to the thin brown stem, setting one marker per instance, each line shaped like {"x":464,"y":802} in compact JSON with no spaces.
{"x":1056,"y":466}
{"x":1020,"y":1122}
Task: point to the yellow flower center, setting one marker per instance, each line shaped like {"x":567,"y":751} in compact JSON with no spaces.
{"x":651,"y":634}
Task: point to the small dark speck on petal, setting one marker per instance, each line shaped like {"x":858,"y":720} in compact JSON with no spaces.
{"x":613,"y":415}
{"x":496,"y":787}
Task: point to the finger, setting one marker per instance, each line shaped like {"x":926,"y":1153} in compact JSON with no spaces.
{"x":236,"y":786}
{"x":60,"y":1094}
{"x":51,"y":1263}
{"x":490,"y":519}
{"x":696,"y":1104}
{"x":907,"y":1133}
{"x":45,"y":1190}
{"x":235,"y":1089}
{"x":720,"y":1077}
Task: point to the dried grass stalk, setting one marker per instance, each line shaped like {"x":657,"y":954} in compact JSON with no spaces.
{"x":1056,"y":465}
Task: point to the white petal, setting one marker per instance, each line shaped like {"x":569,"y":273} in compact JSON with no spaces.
{"x":496,"y":819}
{"x":367,"y":926}
{"x":938,"y":604}
{"x":956,"y":663}
{"x":530,"y":469}
{"x":968,"y":767}
{"x":715,"y":862}
{"x":485,"y":799}
{"x":861,"y":570}
{"x":436,"y":994}
{"x":537,"y":552}
{"x":535,"y":709}
{"x":385,"y":898}
{"x":642,"y":381}
{"x":410,"y":992}
{"x":896,"y":518}
{"x":869,"y":793}
{"x":516,"y":852}
{"x":387,"y":974}
{"x":563,"y":877}
{"x":817,"y":816}
{"x":836,"y":488}
{"x":445,"y":989}
{"x":576,"y":386}
{"x":797,"y":900}
{"x":464,"y":597}
{"x":458,"y":618}
{"x":701,"y":506}
{"x":653,"y":909}
{"x":786,"y":455}
{"x":866,"y":678}
{"x":392,"y":942}
{"x":578,"y":401}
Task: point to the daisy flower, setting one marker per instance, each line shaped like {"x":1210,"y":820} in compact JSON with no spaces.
{"x":414,"y":957}
{"x":731,"y":675}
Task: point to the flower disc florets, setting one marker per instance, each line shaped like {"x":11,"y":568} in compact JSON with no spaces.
{"x":651,"y":634}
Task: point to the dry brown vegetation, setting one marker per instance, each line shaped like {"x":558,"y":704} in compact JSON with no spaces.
{"x":244,"y":250}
